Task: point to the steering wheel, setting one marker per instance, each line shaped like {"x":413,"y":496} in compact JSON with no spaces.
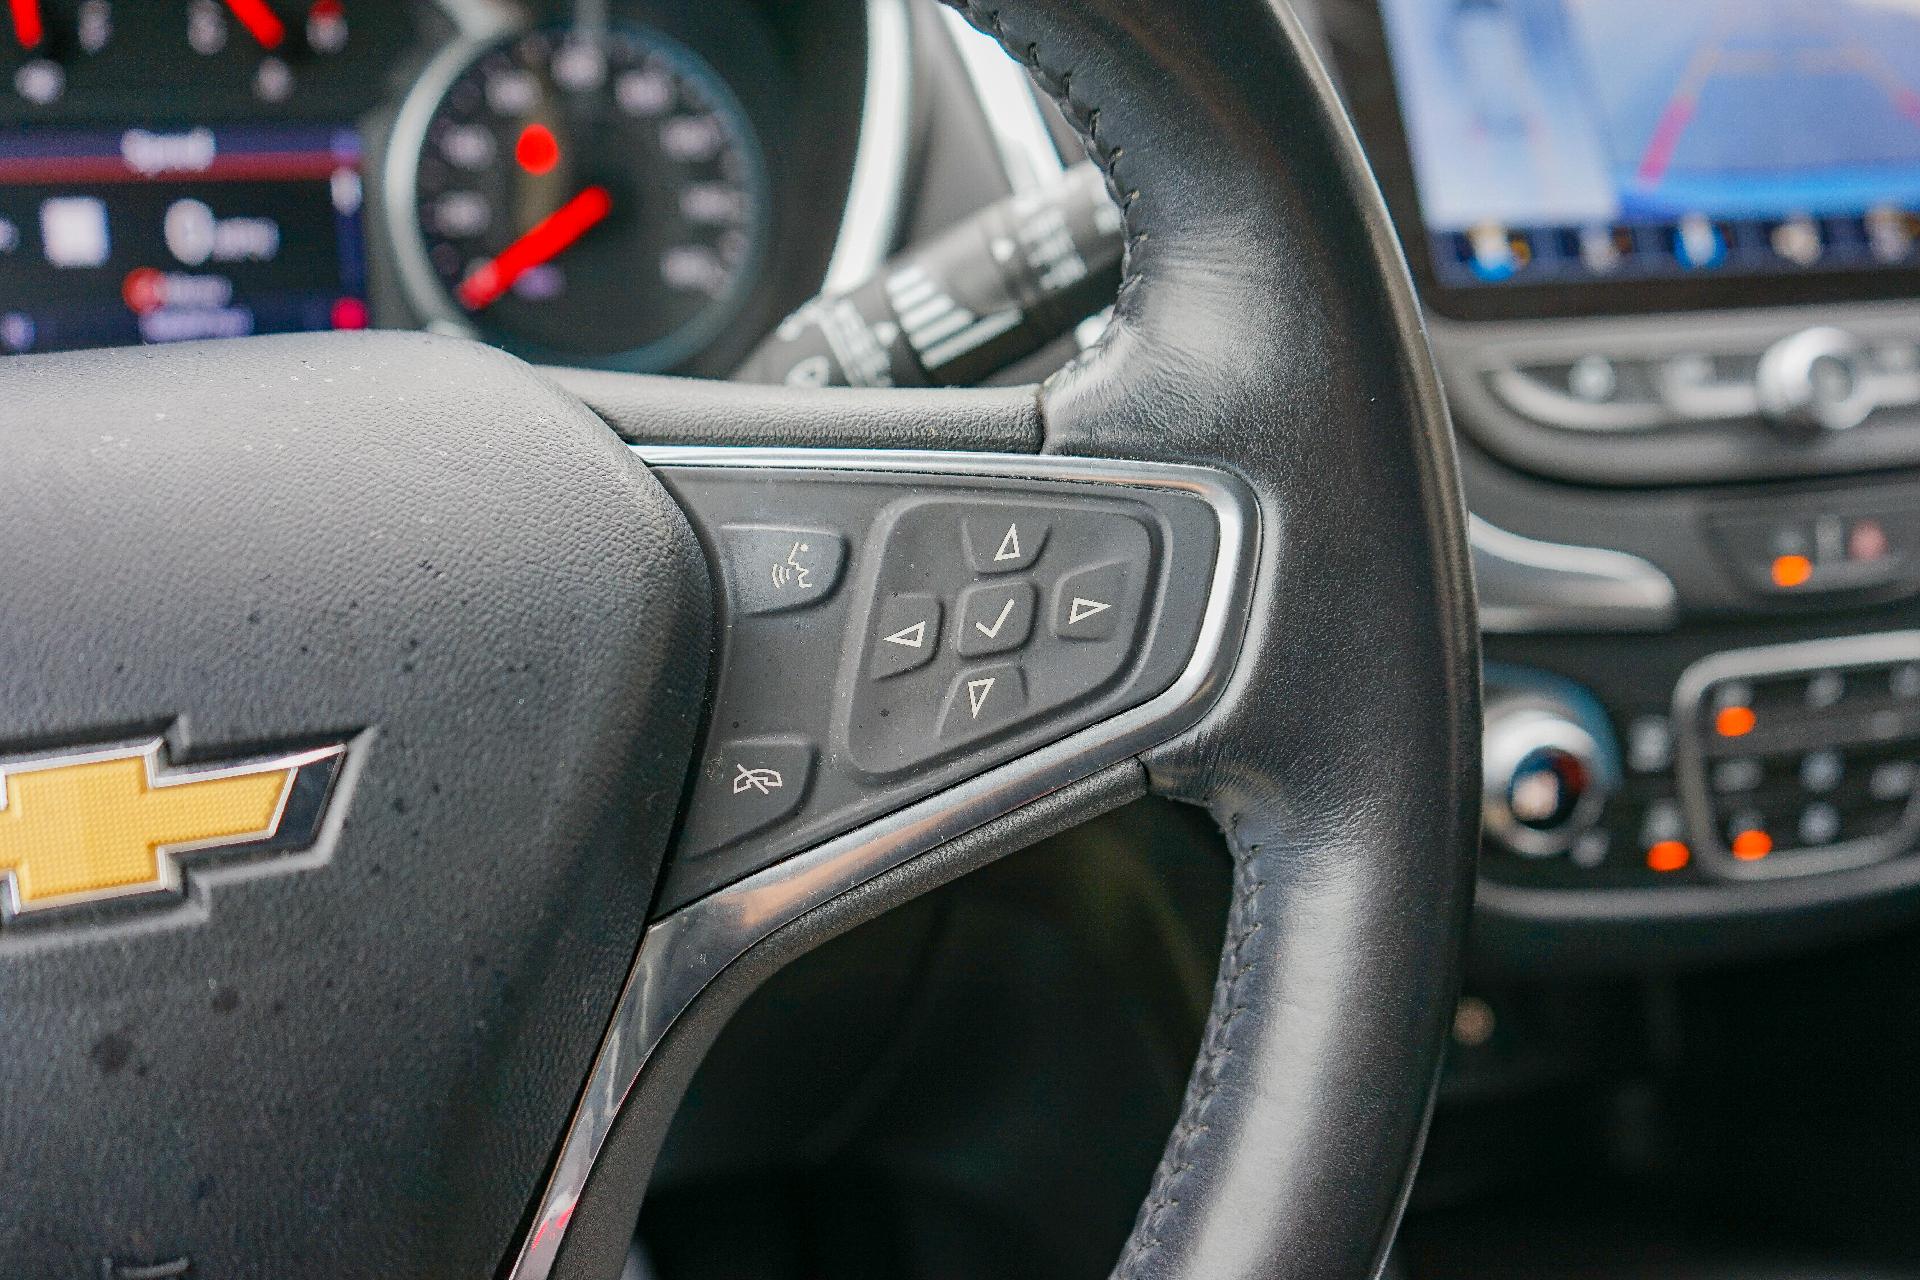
{"x":381,"y":857}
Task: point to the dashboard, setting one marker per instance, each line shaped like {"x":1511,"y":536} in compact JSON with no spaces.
{"x":1668,"y":255}
{"x":616,"y":183}
{"x":1668,"y":258}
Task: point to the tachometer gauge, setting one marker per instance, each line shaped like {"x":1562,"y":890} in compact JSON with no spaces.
{"x":592,"y":197}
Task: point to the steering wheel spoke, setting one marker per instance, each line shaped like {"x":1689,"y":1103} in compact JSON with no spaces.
{"x":895,"y":624}
{"x":911,"y":643}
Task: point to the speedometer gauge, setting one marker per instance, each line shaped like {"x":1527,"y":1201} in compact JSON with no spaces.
{"x":591,"y":197}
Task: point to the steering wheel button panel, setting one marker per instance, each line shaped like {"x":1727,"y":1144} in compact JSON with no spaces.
{"x":929,"y":663}
{"x":772,"y":570}
{"x":936,"y":544}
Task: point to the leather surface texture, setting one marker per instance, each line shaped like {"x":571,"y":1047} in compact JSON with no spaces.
{"x":1266,"y":324}
{"x":353,"y":1061}
{"x":680,"y":411}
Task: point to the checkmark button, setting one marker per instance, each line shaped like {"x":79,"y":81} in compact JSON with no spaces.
{"x":999,"y":623}
{"x":994,"y":617}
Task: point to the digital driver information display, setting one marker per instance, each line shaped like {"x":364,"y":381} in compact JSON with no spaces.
{"x":1572,"y":140}
{"x":113,"y":237}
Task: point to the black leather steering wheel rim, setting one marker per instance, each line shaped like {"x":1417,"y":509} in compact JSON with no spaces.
{"x":391,"y":541}
{"x":1297,"y":1140}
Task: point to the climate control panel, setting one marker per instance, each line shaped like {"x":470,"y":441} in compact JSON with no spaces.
{"x":1764,"y":763}
{"x":1800,"y":758}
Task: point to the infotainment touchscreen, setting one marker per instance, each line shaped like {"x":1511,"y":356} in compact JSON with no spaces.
{"x":1565,"y":142}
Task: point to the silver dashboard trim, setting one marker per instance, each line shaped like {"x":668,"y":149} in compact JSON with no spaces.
{"x":682,"y":953}
{"x":1004,"y":91}
{"x":1533,"y":399}
{"x":1526,"y":585}
{"x":871,"y":218}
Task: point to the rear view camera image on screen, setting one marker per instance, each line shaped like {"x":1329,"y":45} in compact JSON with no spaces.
{"x":115,"y":236}
{"x":1560,"y":141}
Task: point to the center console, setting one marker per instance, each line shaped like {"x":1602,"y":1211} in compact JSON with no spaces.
{"x":1668,"y":251}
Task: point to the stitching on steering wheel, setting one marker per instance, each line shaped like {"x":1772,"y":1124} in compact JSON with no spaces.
{"x":1086,"y":122}
{"x":1217,"y":1045}
{"x":1215,"y":1050}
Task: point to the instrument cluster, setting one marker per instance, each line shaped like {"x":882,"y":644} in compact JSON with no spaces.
{"x":589,"y":182}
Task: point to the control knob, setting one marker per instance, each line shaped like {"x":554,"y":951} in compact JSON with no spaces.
{"x":1545,"y":778}
{"x":1814,"y":381}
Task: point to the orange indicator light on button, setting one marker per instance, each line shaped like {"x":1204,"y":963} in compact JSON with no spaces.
{"x":1668,"y":855}
{"x":1751,"y":846}
{"x":1734,"y":722}
{"x":1791,"y":571}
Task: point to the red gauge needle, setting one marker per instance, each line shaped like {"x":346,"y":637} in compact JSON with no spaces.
{"x":263,"y":23}
{"x":543,"y":241}
{"x":28,"y":28}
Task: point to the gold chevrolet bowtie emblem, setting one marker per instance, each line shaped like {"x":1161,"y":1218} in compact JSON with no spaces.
{"x":85,"y":826}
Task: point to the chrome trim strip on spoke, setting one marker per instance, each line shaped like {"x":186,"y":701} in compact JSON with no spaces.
{"x":1028,"y":155}
{"x":1526,"y":585}
{"x":683,"y":952}
{"x":872,"y":214}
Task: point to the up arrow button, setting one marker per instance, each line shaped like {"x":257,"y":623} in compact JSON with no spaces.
{"x":1004,"y":539}
{"x":1009,"y":543}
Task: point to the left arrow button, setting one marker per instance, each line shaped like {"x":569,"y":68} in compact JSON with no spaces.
{"x":906,"y":635}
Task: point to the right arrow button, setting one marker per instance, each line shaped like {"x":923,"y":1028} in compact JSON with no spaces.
{"x":1096,"y":603}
